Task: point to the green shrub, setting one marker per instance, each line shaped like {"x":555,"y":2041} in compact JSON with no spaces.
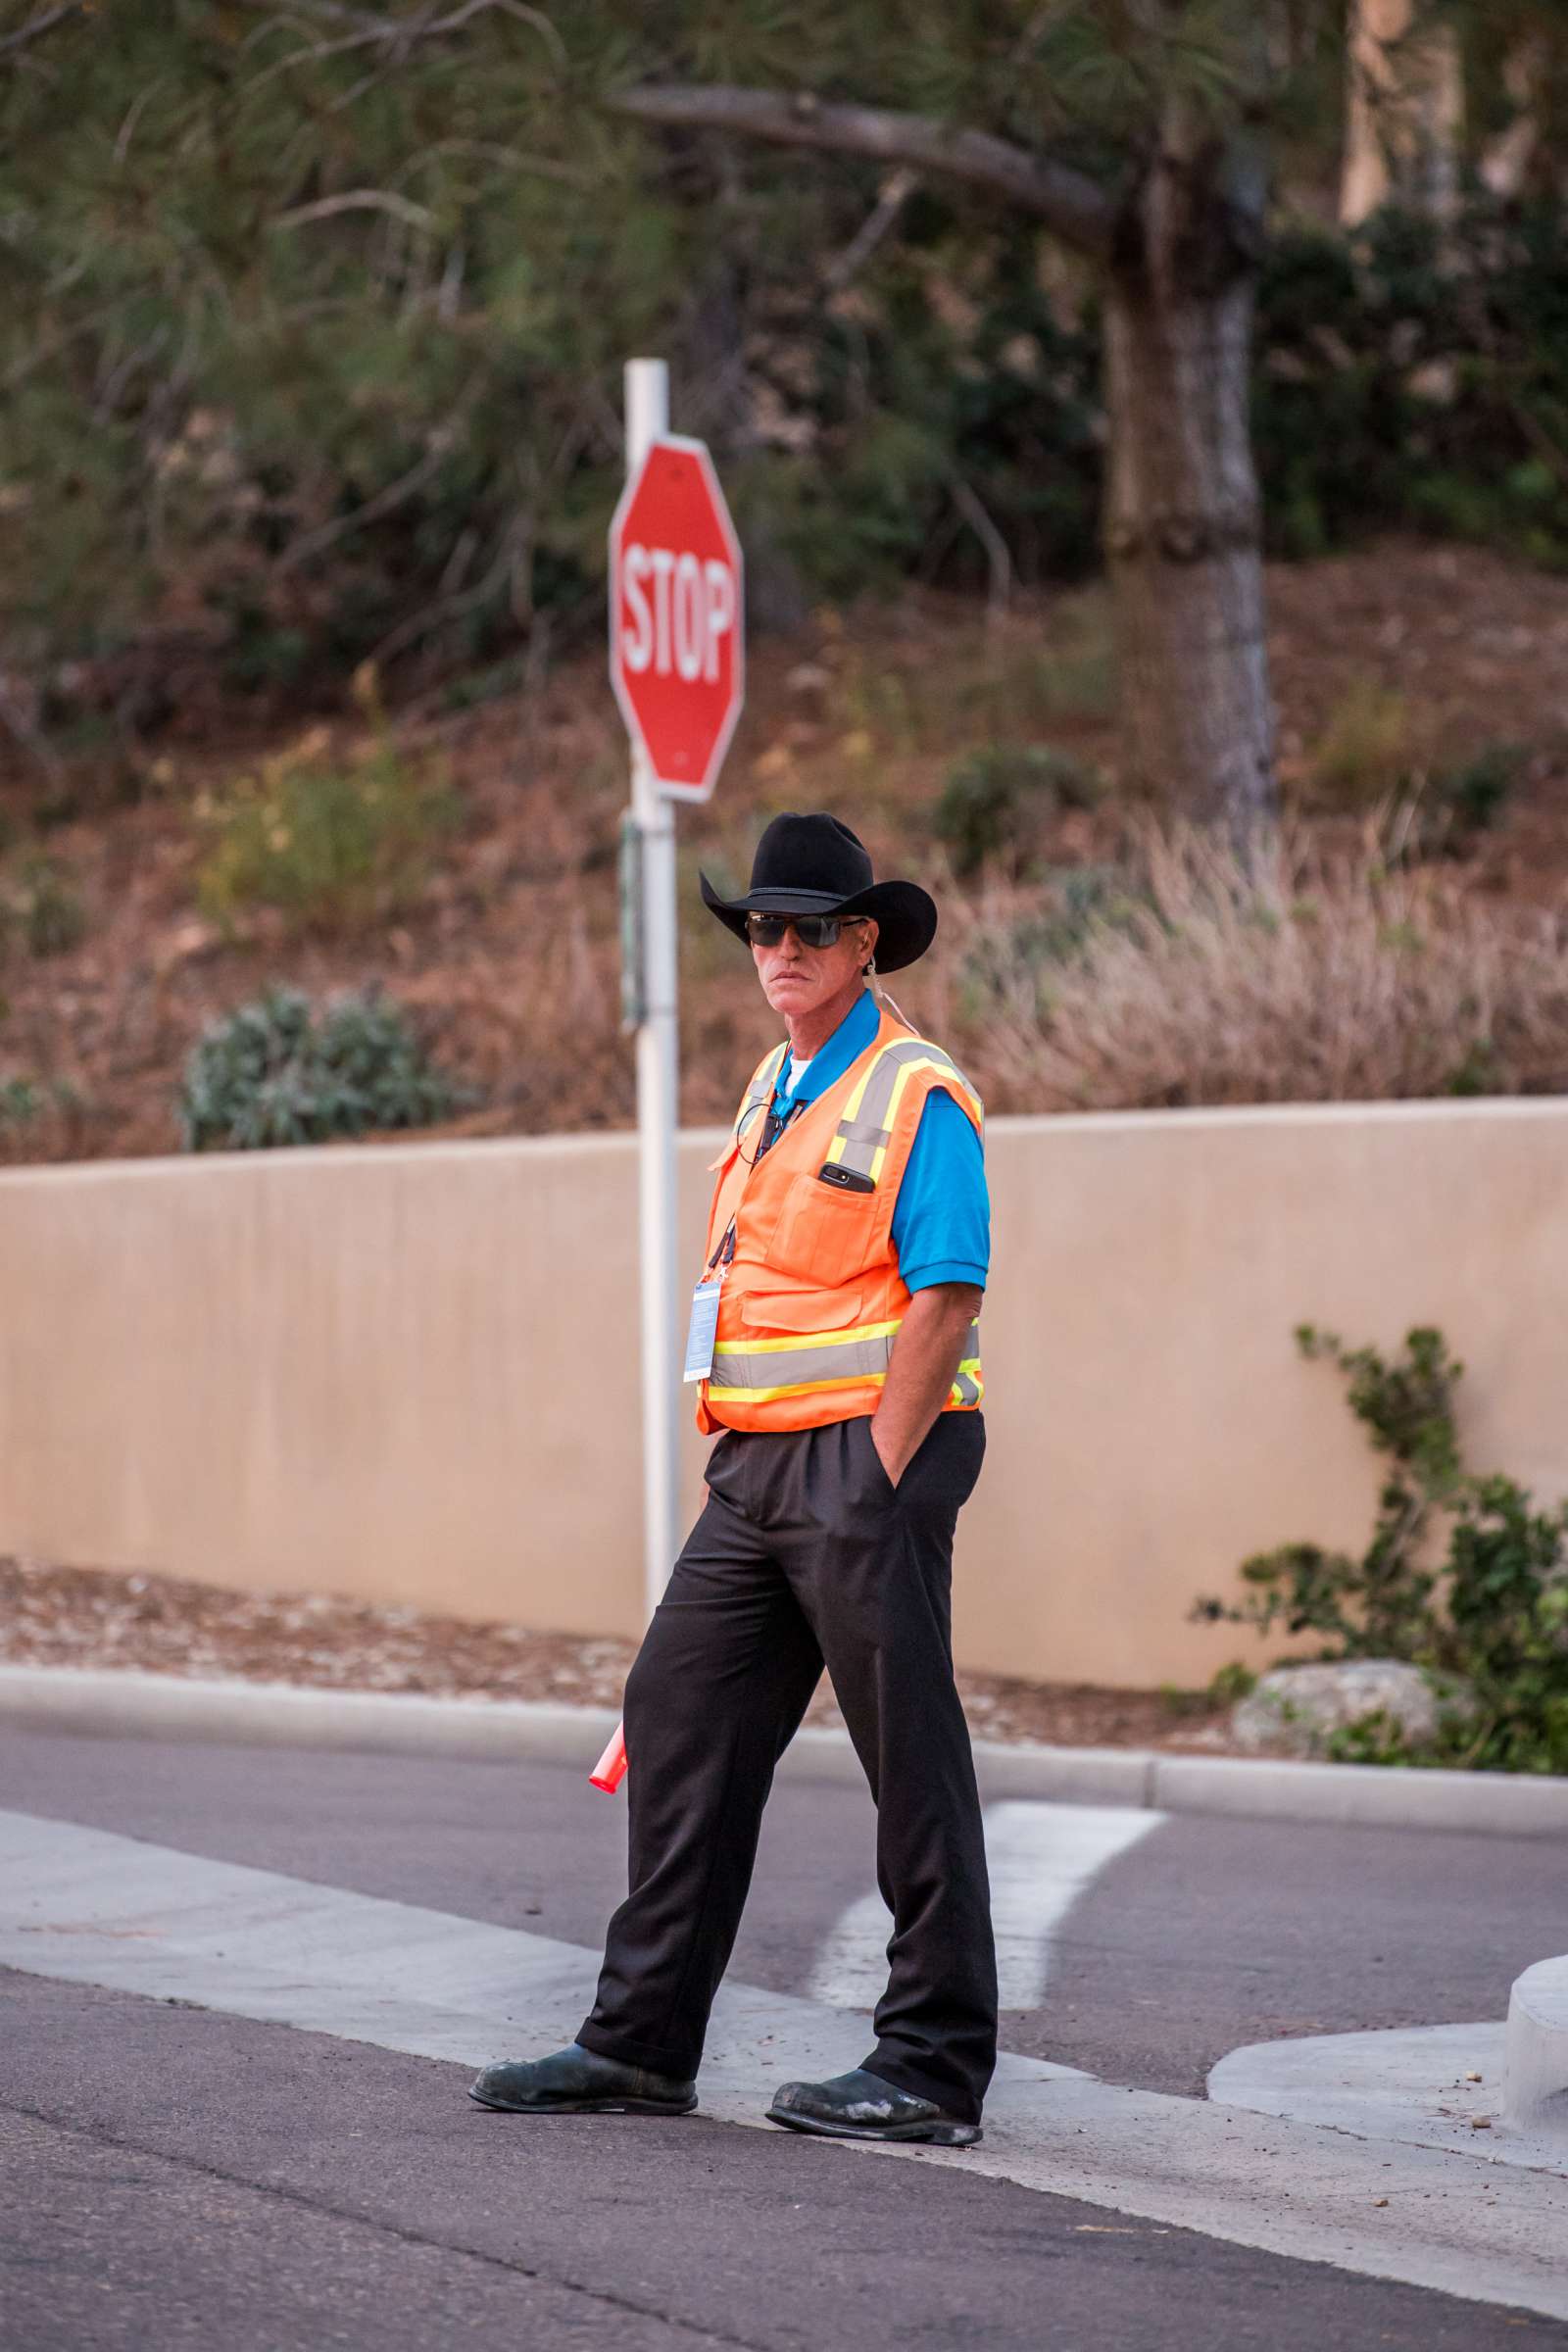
{"x":335,"y":844}
{"x":1230,"y":1682}
{"x":1012,"y":970}
{"x":998,"y":804}
{"x":20,"y":1100}
{"x":1079,"y":679}
{"x":316,"y":452}
{"x":1472,"y":793}
{"x":1444,"y":810}
{"x":269,"y":1075}
{"x":1412,"y":374}
{"x":1222,"y":1690}
{"x":44,"y":908}
{"x":1491,"y":1608}
{"x":54,"y":1104}
{"x":1364,"y":752}
{"x":472,"y":687}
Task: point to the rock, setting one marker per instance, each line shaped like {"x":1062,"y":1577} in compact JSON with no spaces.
{"x":1436,"y":381}
{"x":1294,"y":1710}
{"x":181,"y":945}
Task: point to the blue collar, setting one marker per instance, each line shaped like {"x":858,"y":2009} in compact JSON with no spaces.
{"x":831,"y":1060}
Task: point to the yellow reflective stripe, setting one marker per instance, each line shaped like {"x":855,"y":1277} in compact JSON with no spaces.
{"x":926,"y":1062}
{"x":800,"y":1388}
{"x":809,"y":1339}
{"x":760,"y":1092}
{"x":864,"y":1380}
{"x":852,"y":1108}
{"x":948,"y":1070}
{"x":874,"y":1102}
{"x":766,"y":1076}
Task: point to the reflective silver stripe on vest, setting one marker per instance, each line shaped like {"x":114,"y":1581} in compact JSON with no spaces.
{"x":737,"y":1370}
{"x":966,"y":1388}
{"x":859,"y":1139}
{"x":760,"y":1091}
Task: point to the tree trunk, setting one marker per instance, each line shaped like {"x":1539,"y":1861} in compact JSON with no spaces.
{"x":1183,"y":541}
{"x":1178,"y":261}
{"x":1404,"y":113}
{"x":722,"y":405}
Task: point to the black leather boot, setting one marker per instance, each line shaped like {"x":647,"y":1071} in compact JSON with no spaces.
{"x":579,"y":2081}
{"x":861,"y":2106}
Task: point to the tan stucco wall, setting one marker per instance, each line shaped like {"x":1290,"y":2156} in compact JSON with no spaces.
{"x":410,"y":1372}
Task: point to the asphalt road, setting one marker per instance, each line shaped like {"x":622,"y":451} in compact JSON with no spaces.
{"x":1208,"y":1934}
{"x":177,"y":2176}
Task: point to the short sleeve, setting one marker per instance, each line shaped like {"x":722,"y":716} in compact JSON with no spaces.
{"x":942,"y":1217}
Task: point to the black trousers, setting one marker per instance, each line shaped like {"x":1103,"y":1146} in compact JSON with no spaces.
{"x":805,"y":1553}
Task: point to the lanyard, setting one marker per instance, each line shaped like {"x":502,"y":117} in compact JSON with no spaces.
{"x":772,"y":1128}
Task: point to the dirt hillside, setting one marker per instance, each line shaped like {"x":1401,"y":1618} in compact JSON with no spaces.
{"x":507,"y":954}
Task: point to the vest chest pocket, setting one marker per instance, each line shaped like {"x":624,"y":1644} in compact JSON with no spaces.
{"x":823,"y":1235}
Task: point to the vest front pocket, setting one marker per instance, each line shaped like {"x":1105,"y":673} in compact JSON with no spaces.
{"x":822,"y":1235}
{"x":807,"y":1311}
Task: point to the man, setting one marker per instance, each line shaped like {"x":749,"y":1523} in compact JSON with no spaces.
{"x":835,"y":1342}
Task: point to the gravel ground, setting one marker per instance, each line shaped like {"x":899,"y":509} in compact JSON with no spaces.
{"x":56,"y":1616}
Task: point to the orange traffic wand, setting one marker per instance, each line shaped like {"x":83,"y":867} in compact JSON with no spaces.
{"x":610,"y":1769}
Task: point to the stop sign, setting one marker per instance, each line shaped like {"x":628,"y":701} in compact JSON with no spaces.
{"x":677,"y":655}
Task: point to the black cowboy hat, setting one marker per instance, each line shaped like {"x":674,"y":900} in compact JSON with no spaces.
{"x":815,"y":865}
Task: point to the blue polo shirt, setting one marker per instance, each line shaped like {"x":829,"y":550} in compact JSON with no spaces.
{"x":942,"y":1217}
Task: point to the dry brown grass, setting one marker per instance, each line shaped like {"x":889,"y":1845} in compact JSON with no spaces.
{"x":508,"y":956}
{"x":1316,"y":976}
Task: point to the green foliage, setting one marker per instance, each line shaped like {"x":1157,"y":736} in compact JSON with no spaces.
{"x":1472,"y":793}
{"x":336,"y":843}
{"x":1491,"y":1608}
{"x":25,"y":1101}
{"x":271,"y":1073}
{"x":998,"y":804}
{"x":1412,"y":375}
{"x":1222,"y":1690}
{"x":307,"y":340}
{"x":1231,"y":1683}
{"x":1364,"y":753}
{"x":1441,"y":812}
{"x":42,"y":906}
{"x":1016,"y":965}
{"x":1180,"y":1702}
{"x":20,"y":1100}
{"x":477,"y":686}
{"x":953,"y":376}
{"x":1477,"y":1071}
{"x":1367,"y":758}
{"x":311,"y":337}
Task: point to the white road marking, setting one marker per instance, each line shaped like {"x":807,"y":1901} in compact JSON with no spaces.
{"x":1041,"y":1858}
{"x":90,"y":1907}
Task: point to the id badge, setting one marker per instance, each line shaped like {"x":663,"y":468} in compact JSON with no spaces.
{"x":702,"y":1328}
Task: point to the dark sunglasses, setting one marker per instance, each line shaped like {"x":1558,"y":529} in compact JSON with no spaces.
{"x":812,"y":930}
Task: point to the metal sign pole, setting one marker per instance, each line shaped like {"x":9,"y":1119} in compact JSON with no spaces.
{"x":658,"y":1100}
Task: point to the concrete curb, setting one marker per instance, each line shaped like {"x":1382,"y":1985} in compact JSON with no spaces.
{"x":1537,"y":2045}
{"x":118,"y":1702}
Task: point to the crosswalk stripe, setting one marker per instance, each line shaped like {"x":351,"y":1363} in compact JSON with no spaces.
{"x":90,"y":1907}
{"x":1041,"y":1857}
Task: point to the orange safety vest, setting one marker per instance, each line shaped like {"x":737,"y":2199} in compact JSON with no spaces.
{"x":812,"y":1296}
